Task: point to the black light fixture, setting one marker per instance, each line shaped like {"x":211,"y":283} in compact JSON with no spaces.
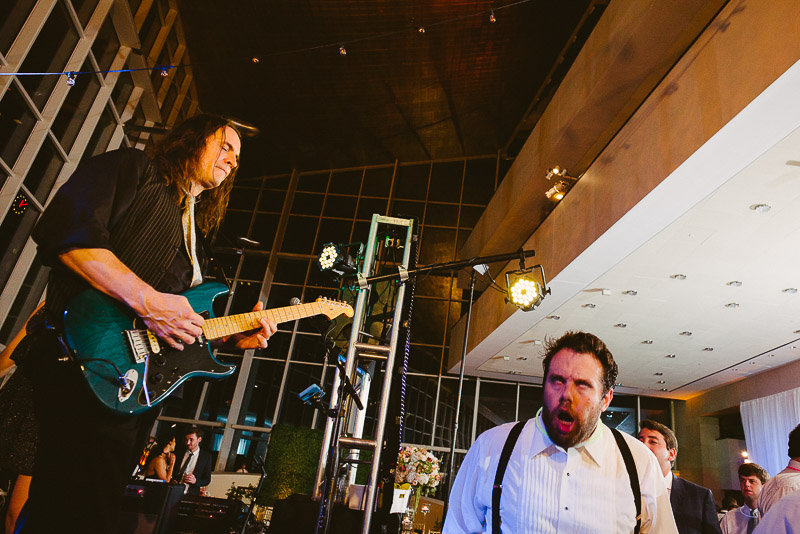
{"x":523,"y":290}
{"x":334,"y":258}
{"x":561,"y":185}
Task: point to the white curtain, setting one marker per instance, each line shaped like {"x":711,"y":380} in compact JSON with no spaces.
{"x":767,"y":422}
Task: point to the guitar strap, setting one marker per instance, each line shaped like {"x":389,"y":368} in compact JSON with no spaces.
{"x":214,"y":266}
{"x":508,"y":448}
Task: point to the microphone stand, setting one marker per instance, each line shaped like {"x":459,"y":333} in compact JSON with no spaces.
{"x":329,"y":487}
{"x":260,"y":464}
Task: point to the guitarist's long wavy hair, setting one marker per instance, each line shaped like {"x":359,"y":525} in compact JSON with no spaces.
{"x":178,"y":157}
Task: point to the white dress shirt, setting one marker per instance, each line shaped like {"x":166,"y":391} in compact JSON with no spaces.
{"x":546,"y":489}
{"x":783,"y":517}
{"x":735,"y":521}
{"x":190,"y":460}
{"x":784,"y":483}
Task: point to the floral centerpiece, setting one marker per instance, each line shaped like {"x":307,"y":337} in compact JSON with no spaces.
{"x":419,"y":469}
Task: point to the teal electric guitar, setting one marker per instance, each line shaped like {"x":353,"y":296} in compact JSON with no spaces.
{"x":130,"y":370}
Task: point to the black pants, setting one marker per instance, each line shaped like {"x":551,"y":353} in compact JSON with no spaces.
{"x":86,"y":453}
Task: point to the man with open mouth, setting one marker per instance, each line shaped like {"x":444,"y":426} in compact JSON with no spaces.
{"x":562,"y":471}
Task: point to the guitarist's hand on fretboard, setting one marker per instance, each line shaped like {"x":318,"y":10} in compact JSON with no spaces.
{"x":256,"y":340}
{"x":171,"y":318}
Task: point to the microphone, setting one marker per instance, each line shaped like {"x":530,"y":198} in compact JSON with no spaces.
{"x":294,"y":301}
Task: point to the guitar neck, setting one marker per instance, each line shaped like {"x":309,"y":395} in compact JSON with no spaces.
{"x":219,"y":327}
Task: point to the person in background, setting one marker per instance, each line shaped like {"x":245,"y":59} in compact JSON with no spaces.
{"x":729,"y":502}
{"x":692,"y":505}
{"x":195,"y":470}
{"x":783,"y":518}
{"x":785,"y":482}
{"x":566,"y":471}
{"x":161,"y":460}
{"x":752,"y":478}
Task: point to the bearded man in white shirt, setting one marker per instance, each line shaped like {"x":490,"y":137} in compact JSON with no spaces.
{"x":566,"y":472}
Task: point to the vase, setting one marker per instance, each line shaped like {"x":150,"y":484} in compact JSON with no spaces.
{"x":407,"y":523}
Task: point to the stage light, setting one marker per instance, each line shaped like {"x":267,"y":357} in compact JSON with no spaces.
{"x":164,"y":72}
{"x":492,"y":18}
{"x":334,"y":259}
{"x":523,"y":290}
{"x":342,"y":50}
{"x":70,"y":79}
{"x":558,"y":191}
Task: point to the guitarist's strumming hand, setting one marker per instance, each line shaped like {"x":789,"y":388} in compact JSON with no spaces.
{"x":258,"y":339}
{"x":171,"y":318}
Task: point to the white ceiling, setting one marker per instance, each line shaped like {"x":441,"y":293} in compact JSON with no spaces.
{"x":698,"y":223}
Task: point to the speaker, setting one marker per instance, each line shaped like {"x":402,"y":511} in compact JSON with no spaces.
{"x":149,"y":507}
{"x":297,"y":514}
{"x":209,"y":515}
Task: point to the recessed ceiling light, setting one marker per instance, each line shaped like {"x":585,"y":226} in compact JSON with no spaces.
{"x":662,"y":381}
{"x":678,"y":276}
{"x":664,"y":389}
{"x":554,"y":317}
{"x":761,"y":208}
{"x":659,"y":373}
{"x":671,"y":356}
{"x":589,"y":305}
{"x":686,"y":333}
{"x":605,"y":291}
{"x":630,"y":292}
{"x":797,"y":331}
{"x":621,"y":325}
{"x":708,"y":349}
{"x":506,"y":358}
{"x":647,"y":342}
{"x":732,"y":305}
{"x":617,"y":385}
{"x":734,"y":283}
{"x":752,"y":363}
{"x":537,"y":341}
{"x":513,"y":372}
{"x":522,"y":358}
{"x":790,"y":290}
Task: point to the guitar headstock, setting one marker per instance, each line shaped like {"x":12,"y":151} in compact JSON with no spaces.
{"x":334,"y":308}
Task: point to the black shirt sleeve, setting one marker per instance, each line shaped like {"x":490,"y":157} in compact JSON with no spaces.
{"x":86,"y":207}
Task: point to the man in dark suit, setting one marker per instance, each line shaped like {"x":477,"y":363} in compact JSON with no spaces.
{"x":195,"y":463}
{"x":692,"y":505}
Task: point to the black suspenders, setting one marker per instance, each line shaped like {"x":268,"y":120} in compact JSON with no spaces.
{"x":508,"y":448}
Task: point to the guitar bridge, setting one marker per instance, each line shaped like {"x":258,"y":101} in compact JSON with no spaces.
{"x":139,"y":342}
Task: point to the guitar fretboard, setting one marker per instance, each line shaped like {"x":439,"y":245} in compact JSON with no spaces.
{"x":233,"y":324}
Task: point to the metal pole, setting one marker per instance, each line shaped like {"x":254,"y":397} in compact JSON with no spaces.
{"x":450,"y":473}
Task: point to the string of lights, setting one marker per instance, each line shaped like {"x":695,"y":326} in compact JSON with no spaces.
{"x":256,"y":59}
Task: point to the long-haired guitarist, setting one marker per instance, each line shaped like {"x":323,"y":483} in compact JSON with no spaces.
{"x":129,"y":225}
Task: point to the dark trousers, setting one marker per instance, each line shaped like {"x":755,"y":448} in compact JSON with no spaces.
{"x":85,"y":457}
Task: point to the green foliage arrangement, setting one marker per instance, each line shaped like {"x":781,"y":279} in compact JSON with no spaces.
{"x":291,"y":462}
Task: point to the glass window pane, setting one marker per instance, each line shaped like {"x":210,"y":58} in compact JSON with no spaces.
{"x":420,"y":406}
{"x":254,"y":267}
{"x":73,"y":112}
{"x":428,"y":321}
{"x":49,"y":53}
{"x":447,"y":409}
{"x":531,"y":399}
{"x":441,"y":214}
{"x":14,"y":232}
{"x":368,"y":206}
{"x":340,"y":206}
{"x":496,"y":406}
{"x":101,"y":136}
{"x":412,"y":182}
{"x":12,"y":18}
{"x":242,"y":198}
{"x":278,"y":346}
{"x":156,"y":75}
{"x":408,"y":209}
{"x":264,"y":229}
{"x":271,"y":201}
{"x":299,"y":237}
{"x":122,"y":91}
{"x":281,"y":295}
{"x":346,"y":182}
{"x":307,"y":203}
{"x":293,"y":411}
{"x":438,"y":245}
{"x":308,"y":348}
{"x":470,"y":216}
{"x":261,"y":393}
{"x":44,"y":171}
{"x":446,"y":181}
{"x":291,"y":271}
{"x":16,"y":123}
{"x":421,"y":359}
{"x":26,"y":300}
{"x":234,"y":225}
{"x":317,"y":182}
{"x":105,"y":45}
{"x":479,"y":181}
{"x":377,"y":182}
{"x":332,"y":231}
{"x":166,"y":107}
